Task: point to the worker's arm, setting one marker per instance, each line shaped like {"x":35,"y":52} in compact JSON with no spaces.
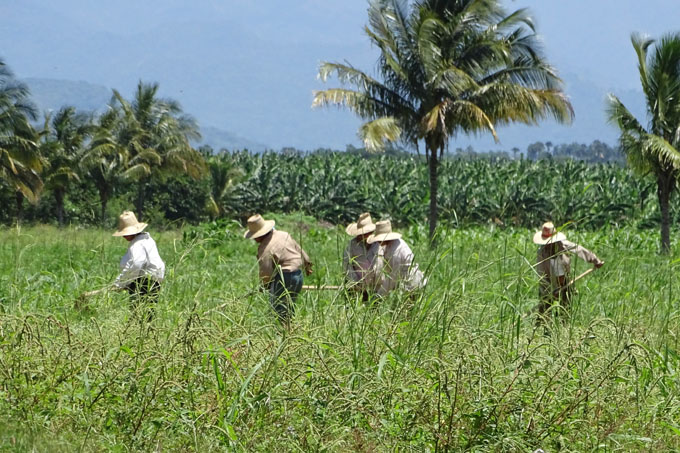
{"x":306,"y":262}
{"x":583,"y":253}
{"x":266,"y":263}
{"x":110,"y":288}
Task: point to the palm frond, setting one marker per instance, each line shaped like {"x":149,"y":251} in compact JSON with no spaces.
{"x":136,"y":172}
{"x":375,"y":133}
{"x":618,"y":114}
{"x":658,"y":148}
{"x":509,"y":102}
{"x":468,"y":117}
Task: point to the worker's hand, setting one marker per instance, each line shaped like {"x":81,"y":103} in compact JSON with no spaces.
{"x":599,"y":264}
{"x":308,"y":268}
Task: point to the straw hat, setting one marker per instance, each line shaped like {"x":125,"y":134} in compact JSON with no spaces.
{"x":128,"y":224}
{"x":258,"y":227}
{"x":547,"y":234}
{"x":383,"y":232}
{"x":363,"y":226}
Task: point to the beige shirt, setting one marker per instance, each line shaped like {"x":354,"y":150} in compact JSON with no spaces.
{"x":279,"y":251}
{"x":358,"y":259}
{"x":394,"y":267}
{"x":551,"y":265}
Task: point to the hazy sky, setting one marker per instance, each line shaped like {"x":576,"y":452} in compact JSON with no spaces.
{"x":592,"y":38}
{"x":249,"y":66}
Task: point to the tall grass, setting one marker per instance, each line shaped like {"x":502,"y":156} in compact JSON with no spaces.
{"x":460,"y":366}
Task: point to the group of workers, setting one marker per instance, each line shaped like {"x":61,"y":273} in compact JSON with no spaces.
{"x":376,"y":262}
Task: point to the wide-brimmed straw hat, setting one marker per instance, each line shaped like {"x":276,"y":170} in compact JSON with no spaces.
{"x":547,"y":234}
{"x":128,"y":224}
{"x":362,"y":226}
{"x":383,"y":232}
{"x":258,"y":227}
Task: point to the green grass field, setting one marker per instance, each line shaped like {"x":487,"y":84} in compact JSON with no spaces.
{"x":462,"y":367}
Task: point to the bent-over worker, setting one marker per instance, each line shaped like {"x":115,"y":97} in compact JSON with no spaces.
{"x":280,"y":260}
{"x":393,"y":266}
{"x":554,"y":265}
{"x":358,"y":257}
{"x":141,"y":268}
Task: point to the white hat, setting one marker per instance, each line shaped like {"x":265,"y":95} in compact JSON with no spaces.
{"x":383,"y":232}
{"x":547,"y":234}
{"x":363,"y":226}
{"x":128,"y":224}
{"x":258,"y":227}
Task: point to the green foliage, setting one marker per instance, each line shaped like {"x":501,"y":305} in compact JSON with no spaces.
{"x":337,"y":187}
{"x":143,"y":142}
{"x":655,"y":151}
{"x":20,"y":163}
{"x":461,"y":367}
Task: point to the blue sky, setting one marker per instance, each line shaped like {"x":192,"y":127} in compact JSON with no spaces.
{"x":249,"y":67}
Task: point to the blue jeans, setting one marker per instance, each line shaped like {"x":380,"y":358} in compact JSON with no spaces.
{"x":283,"y":290}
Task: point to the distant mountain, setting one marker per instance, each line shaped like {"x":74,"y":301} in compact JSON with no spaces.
{"x":50,"y":94}
{"x":219,"y":139}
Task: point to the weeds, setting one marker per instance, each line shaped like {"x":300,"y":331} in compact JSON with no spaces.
{"x":460,"y":367}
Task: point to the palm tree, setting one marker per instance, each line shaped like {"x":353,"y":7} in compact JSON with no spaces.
{"x":224,"y":175}
{"x":20,"y":163}
{"x":105,"y":158}
{"x":64,"y":137}
{"x":654,"y":150}
{"x":155,"y":134}
{"x":447,"y":67}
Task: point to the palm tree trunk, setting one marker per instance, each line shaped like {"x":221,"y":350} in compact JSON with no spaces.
{"x":20,"y":206}
{"x":139,"y":202}
{"x":104,"y":199}
{"x":434,"y":212}
{"x":59,"y":199}
{"x":665,"y":186}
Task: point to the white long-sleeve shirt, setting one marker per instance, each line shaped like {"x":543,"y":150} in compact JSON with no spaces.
{"x":394,"y":267}
{"x":141,"y":259}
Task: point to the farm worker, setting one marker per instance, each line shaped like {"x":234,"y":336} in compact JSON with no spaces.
{"x":393,"y":266}
{"x":358,"y":257}
{"x":553,"y":265}
{"x":280,"y":259}
{"x":141,"y":268}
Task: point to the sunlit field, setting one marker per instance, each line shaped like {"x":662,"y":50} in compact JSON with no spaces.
{"x":462,"y":366}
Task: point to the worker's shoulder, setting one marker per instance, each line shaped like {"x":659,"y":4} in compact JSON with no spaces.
{"x":568,"y":244}
{"x":279,"y":235}
{"x":282,"y":239}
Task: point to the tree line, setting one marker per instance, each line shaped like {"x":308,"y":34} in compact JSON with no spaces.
{"x":336,"y":186}
{"x":130,"y":147}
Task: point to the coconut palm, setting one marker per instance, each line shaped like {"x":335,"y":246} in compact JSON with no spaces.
{"x":446,"y":67}
{"x":20,"y":162}
{"x":654,"y":150}
{"x":224,"y":175}
{"x":105,"y":159}
{"x":155,"y":135}
{"x":63,"y":140}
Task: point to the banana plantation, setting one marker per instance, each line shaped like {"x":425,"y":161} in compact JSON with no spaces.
{"x":336,"y":187}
